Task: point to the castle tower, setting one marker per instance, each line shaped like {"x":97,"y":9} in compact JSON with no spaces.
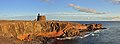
{"x":41,"y":17}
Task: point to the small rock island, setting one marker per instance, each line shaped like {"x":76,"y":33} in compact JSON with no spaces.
{"x":42,"y":30}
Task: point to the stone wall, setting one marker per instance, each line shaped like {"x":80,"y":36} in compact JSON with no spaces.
{"x":41,"y":18}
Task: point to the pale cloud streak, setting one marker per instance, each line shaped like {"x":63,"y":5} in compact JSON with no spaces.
{"x":45,"y":0}
{"x":87,"y":10}
{"x":48,"y":1}
{"x":116,"y":1}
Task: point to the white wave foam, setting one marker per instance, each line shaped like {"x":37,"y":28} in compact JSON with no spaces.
{"x":77,"y":37}
{"x":69,"y":38}
{"x":86,"y":35}
{"x":97,"y":31}
{"x":93,"y":34}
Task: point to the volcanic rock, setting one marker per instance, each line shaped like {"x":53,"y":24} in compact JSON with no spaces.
{"x":29,"y":30}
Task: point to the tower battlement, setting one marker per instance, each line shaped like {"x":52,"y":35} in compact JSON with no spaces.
{"x":41,"y":17}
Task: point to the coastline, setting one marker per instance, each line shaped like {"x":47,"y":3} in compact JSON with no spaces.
{"x":69,"y":29}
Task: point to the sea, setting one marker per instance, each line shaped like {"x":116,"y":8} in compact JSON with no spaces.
{"x":111,"y":35}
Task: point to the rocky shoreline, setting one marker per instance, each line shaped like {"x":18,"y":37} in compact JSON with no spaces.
{"x":43,"y":31}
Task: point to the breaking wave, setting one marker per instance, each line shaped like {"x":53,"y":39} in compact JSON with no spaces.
{"x":92,"y":33}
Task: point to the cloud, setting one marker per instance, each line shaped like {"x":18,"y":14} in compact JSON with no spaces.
{"x":61,"y":13}
{"x":116,"y":18}
{"x":30,"y":17}
{"x":45,"y":0}
{"x":87,"y":10}
{"x":116,"y":1}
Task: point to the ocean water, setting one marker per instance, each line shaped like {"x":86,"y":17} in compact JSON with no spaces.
{"x":106,"y":36}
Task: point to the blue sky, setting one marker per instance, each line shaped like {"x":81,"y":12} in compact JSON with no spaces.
{"x":60,"y":9}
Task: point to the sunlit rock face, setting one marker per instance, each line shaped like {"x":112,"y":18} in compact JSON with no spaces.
{"x":16,"y":28}
{"x":51,"y":29}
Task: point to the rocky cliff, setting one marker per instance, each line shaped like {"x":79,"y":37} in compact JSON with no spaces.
{"x":28,"y":30}
{"x":16,"y":28}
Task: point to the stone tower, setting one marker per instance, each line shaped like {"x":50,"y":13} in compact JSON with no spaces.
{"x":41,"y":17}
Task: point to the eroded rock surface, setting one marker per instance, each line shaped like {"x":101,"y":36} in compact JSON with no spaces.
{"x":28,"y":30}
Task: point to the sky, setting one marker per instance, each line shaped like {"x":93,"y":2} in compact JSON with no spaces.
{"x":64,"y":10}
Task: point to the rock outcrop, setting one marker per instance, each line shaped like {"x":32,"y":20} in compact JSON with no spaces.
{"x":27,"y":30}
